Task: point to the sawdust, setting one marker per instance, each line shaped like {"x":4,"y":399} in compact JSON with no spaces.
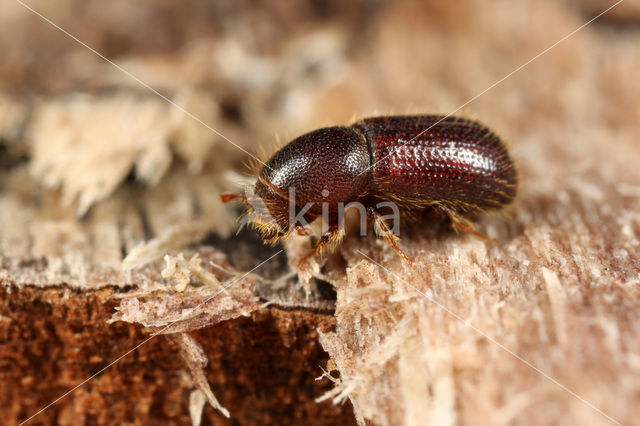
{"x":196,"y":360}
{"x":88,"y":144}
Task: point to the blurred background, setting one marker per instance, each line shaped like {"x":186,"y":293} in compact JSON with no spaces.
{"x":264,"y":71}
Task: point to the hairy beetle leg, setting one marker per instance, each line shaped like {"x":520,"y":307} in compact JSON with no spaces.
{"x":462,"y":225}
{"x":332,"y":238}
{"x":383,"y":229}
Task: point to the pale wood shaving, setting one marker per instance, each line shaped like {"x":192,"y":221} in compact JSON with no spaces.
{"x":196,"y":359}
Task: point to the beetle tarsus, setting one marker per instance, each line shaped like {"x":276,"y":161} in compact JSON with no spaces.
{"x":392,"y":239}
{"x":304,"y":231}
{"x":465,"y":226}
{"x":332,"y":238}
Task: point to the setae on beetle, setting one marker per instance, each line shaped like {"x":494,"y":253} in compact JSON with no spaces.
{"x":454,"y":165}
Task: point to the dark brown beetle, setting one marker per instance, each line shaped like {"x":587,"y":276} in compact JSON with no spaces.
{"x":455,"y":165}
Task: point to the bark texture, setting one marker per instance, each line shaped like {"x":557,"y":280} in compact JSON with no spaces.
{"x":262,"y":366}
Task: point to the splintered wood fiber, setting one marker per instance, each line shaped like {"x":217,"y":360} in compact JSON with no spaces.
{"x":111,"y":227}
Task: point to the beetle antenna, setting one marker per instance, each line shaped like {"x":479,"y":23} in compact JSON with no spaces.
{"x":227,"y":197}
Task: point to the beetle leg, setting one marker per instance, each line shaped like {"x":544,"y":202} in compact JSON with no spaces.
{"x":383,"y":229}
{"x":332,"y":238}
{"x":305,"y":231}
{"x":463,"y":225}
